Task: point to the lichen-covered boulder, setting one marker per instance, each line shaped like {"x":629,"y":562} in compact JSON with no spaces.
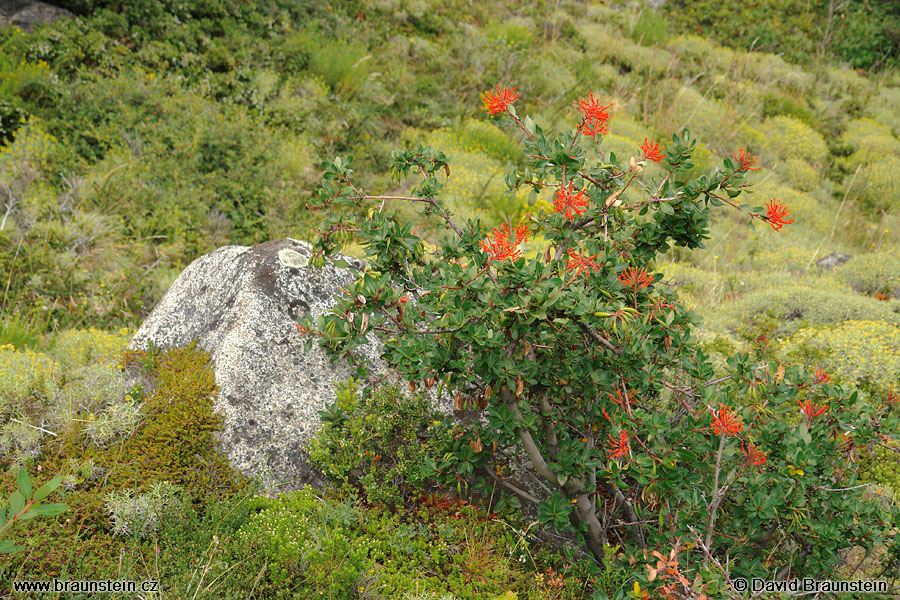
{"x":241,"y":304}
{"x":835,"y":259}
{"x":28,"y":14}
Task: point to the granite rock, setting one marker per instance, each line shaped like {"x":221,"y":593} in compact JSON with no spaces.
{"x":240,"y":304}
{"x":833,"y":260}
{"x":28,"y":14}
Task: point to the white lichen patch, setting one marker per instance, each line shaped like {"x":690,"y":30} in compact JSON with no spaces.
{"x":292,"y":258}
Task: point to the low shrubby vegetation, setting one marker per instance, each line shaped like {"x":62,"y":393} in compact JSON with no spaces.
{"x":140,"y":135}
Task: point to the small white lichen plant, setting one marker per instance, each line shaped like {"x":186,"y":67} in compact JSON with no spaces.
{"x":117,"y":420}
{"x":139,"y":515}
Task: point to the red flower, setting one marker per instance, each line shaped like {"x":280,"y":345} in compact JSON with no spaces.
{"x":497,"y":101}
{"x":754,"y":455}
{"x":746,"y":161}
{"x":725,"y":422}
{"x":580,"y":263}
{"x":570,"y":203}
{"x":619,"y":447}
{"x":652,"y":151}
{"x":776,"y":213}
{"x":593,"y":116}
{"x":633,"y":278}
{"x":501,"y":247}
{"x":822,"y":376}
{"x":810,"y":409}
{"x":658,"y":305}
{"x":620,"y":399}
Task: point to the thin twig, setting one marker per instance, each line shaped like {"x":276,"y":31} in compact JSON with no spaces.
{"x":716,"y":499}
{"x":603,"y":341}
{"x":33,"y":427}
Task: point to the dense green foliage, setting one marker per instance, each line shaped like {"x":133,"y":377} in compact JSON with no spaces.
{"x":549,"y":364}
{"x":372,"y":444}
{"x":125,"y":457}
{"x":442,"y":548}
{"x":864,"y":33}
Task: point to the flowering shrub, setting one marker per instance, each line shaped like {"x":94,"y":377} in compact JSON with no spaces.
{"x":865,"y":133}
{"x":577,"y":386}
{"x":790,"y":138}
{"x":863,"y":354}
{"x":881,"y":181}
{"x":77,"y":347}
{"x":874,"y":273}
{"x":800,"y":174}
{"x":24,"y":376}
{"x":799,"y":304}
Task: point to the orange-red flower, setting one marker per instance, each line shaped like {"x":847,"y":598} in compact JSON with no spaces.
{"x":633,"y":278}
{"x":580,"y":263}
{"x":497,"y":101}
{"x":658,"y":305}
{"x":776,"y":213}
{"x":725,"y":422}
{"x":754,"y":455}
{"x":593,"y":115}
{"x":810,"y":409}
{"x":822,"y":376}
{"x":652,"y":151}
{"x":619,"y":447}
{"x":619,"y":398}
{"x":745,"y":161}
{"x":569,"y":202}
{"x":606,"y":415}
{"x":499,"y":246}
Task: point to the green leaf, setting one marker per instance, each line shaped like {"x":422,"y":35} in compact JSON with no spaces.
{"x":16,"y":504}
{"x":803,"y":432}
{"x":24,"y":483}
{"x":342,"y":264}
{"x":45,"y":490}
{"x":51,"y":510}
{"x":7,"y":546}
{"x":529,"y":124}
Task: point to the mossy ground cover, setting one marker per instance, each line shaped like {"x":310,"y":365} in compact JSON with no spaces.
{"x":134,"y":139}
{"x":155,"y":500}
